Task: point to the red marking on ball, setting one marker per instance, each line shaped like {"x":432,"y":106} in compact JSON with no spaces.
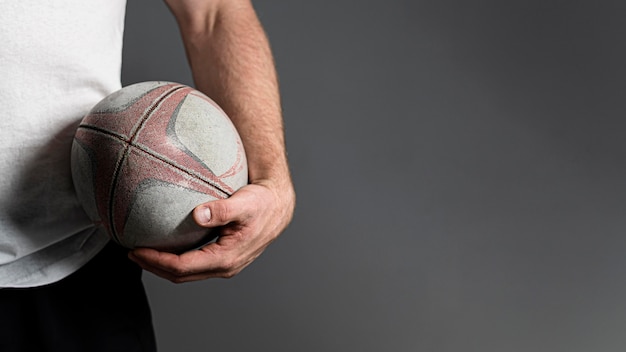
{"x":146,"y":155}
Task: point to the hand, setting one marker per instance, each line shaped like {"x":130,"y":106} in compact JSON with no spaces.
{"x":250,"y":220}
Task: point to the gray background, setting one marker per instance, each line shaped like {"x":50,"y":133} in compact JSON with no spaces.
{"x":460,"y":175}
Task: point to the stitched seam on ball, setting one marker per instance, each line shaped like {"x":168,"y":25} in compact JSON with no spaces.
{"x":200,"y":177}
{"x":129,"y":144}
{"x":162,"y":158}
{"x":121,"y":138}
{"x":142,"y":122}
{"x":105,"y":132}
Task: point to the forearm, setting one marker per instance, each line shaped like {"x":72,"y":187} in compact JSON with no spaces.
{"x":231,"y":62}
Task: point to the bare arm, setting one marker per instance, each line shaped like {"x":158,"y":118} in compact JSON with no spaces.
{"x":231,"y":62}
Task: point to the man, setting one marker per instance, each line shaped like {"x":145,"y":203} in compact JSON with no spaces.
{"x":65,"y":286}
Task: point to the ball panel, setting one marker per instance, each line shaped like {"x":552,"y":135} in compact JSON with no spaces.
{"x":139,"y":168}
{"x":124,"y":98}
{"x":237,"y":175}
{"x":158,"y":137}
{"x":171,"y":226}
{"x":125,"y":120}
{"x":203,"y":131}
{"x":83,"y":170}
{"x":105,"y":167}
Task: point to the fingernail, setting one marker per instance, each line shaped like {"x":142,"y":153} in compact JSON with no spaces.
{"x":206,"y":213}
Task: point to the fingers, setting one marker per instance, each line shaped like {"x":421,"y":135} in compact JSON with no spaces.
{"x":190,"y":266}
{"x":248,"y":222}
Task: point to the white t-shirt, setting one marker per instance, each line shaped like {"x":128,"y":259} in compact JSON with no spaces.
{"x":58,"y":58}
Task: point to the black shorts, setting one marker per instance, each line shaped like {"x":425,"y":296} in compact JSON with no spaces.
{"x":101,"y":307}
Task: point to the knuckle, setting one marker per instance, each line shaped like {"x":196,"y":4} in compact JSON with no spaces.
{"x":177,"y":280}
{"x":228,"y":269}
{"x":223,"y":211}
{"x":228,"y":275}
{"x":227,"y":266}
{"x":180,"y":272}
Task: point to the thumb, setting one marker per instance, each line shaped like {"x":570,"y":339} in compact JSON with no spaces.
{"x":220,"y":212}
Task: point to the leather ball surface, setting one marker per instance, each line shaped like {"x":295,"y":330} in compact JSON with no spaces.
{"x":146,"y":155}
